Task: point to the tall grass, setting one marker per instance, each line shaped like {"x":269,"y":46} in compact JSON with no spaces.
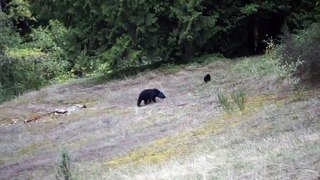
{"x":225,"y":102}
{"x":229,"y":102}
{"x":64,"y":171}
{"x":239,"y":99}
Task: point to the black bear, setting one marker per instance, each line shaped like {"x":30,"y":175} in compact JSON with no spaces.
{"x":149,"y":95}
{"x":207,"y":78}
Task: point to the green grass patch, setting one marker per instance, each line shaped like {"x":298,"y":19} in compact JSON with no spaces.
{"x":172,"y":68}
{"x":257,"y":66}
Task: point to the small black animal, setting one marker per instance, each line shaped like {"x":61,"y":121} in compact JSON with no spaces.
{"x":149,"y":95}
{"x":207,"y":78}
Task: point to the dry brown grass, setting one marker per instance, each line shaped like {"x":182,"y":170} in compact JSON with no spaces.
{"x":185,"y":136}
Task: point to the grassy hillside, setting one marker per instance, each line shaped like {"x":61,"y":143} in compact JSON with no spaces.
{"x":189,"y":135}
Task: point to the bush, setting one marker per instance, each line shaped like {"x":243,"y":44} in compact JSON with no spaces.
{"x":29,"y":68}
{"x":303,"y":47}
{"x":31,"y":61}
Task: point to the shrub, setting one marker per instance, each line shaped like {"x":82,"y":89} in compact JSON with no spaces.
{"x":32,"y":63}
{"x":33,"y":68}
{"x":303,"y":47}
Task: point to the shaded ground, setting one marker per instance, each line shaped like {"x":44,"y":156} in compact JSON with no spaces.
{"x":113,"y":132}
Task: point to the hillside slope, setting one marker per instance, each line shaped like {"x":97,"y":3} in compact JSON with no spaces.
{"x":188,"y":135}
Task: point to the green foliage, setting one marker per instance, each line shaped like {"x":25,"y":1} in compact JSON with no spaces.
{"x":301,"y":18}
{"x":276,"y":66}
{"x":169,"y":31}
{"x":302,"y":49}
{"x":249,"y":9}
{"x":4,"y":94}
{"x":118,"y":51}
{"x":122,"y":34}
{"x":31,"y":61}
{"x":30,"y":68}
{"x":8,"y":37}
{"x":120,"y":56}
{"x":19,"y":10}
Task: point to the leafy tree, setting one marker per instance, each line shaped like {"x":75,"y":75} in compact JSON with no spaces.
{"x":27,"y":60}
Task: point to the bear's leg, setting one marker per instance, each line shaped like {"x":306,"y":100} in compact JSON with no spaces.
{"x":145,"y":101}
{"x":139,"y":101}
{"x":153,"y":98}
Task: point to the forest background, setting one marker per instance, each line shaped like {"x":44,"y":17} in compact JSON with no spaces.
{"x":44,"y":41}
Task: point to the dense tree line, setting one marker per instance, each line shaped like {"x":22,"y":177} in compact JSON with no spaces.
{"x":127,"y":32}
{"x":40,"y":36}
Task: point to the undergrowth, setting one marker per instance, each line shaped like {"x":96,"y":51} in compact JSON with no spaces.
{"x":302,"y":49}
{"x":268,"y":64}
